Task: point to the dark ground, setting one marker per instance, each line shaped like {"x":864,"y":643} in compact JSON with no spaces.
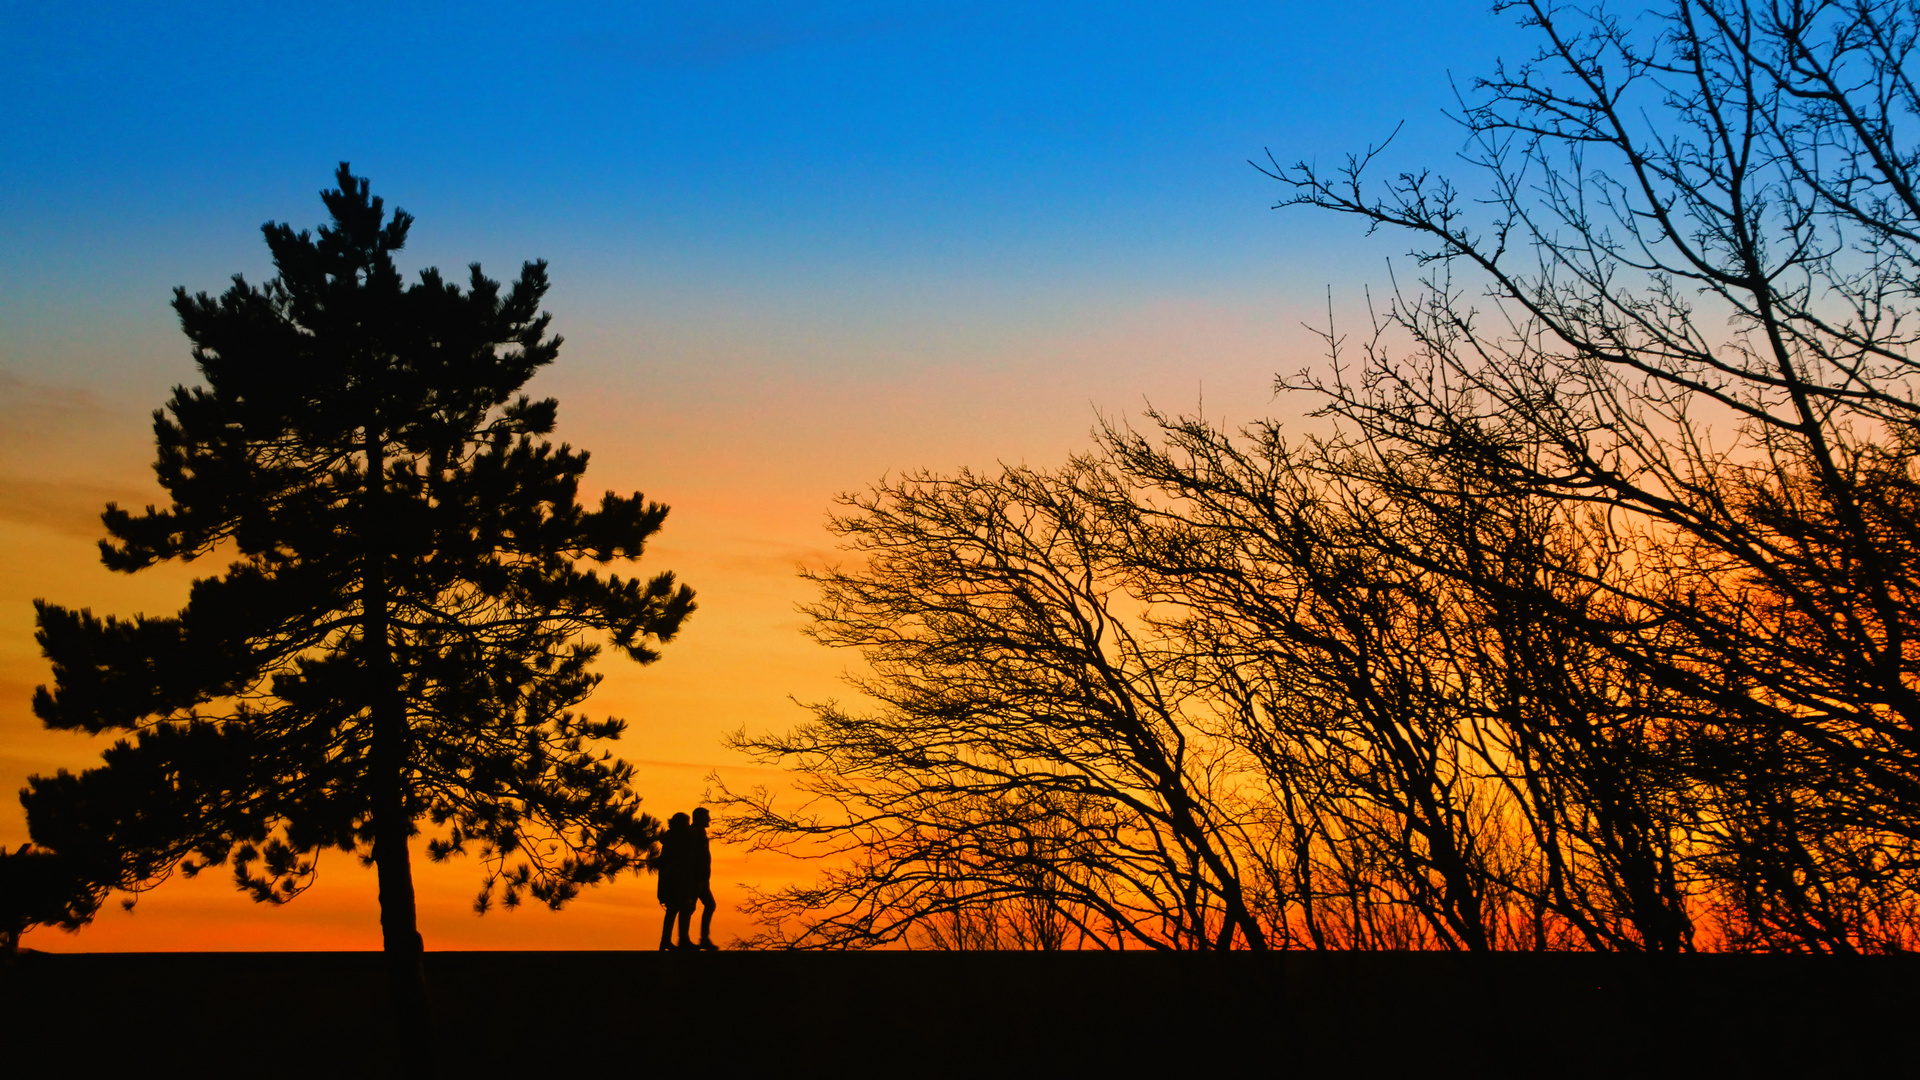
{"x":273,"y":1015}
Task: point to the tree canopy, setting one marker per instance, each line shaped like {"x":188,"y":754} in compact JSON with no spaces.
{"x":411,"y":605}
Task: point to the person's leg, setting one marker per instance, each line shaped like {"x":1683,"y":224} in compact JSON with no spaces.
{"x":686,"y":920}
{"x":666,"y":929}
{"x":706,"y":918}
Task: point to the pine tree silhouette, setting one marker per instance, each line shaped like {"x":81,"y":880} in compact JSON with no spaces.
{"x":401,"y":631}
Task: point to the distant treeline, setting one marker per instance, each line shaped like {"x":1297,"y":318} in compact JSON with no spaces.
{"x":1592,"y":623}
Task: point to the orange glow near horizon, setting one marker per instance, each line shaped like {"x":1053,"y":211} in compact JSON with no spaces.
{"x":748,"y":455}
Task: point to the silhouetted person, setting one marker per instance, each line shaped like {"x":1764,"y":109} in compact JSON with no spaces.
{"x":700,"y":879}
{"x":676,"y":864}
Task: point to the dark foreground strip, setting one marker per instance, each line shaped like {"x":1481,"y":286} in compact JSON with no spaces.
{"x":273,"y":1015}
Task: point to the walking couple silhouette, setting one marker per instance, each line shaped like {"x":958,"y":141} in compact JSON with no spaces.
{"x":685,"y":864}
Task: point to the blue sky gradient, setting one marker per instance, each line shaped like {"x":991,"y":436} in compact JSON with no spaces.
{"x":856,"y":155}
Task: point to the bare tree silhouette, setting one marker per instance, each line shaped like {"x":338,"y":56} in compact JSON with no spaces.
{"x":1031,"y":767}
{"x":1591,"y":626}
{"x":1695,"y":263}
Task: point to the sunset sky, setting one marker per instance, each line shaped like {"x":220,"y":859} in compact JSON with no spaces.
{"x":794,"y":247}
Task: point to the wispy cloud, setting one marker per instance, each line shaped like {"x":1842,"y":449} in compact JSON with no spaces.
{"x":67,"y":508}
{"x":50,"y":476}
{"x":35,"y":413}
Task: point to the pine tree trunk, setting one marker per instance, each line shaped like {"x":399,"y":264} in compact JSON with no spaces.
{"x":399,"y":926}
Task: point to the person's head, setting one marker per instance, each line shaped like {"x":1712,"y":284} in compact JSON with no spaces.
{"x":677,"y":821}
{"x":700,"y":817}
